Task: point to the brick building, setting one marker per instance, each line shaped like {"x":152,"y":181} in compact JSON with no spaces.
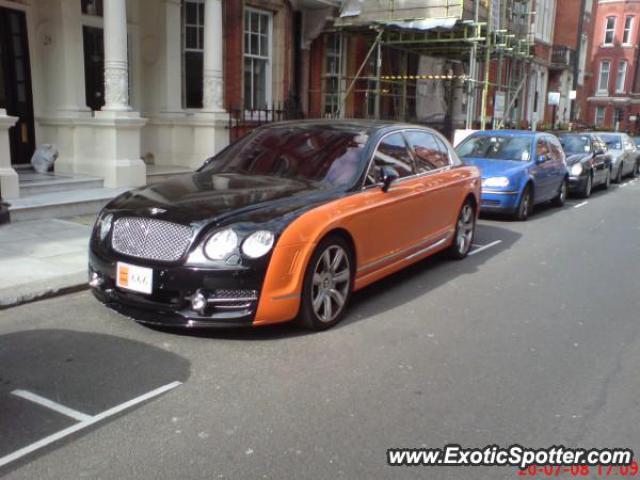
{"x":614,"y":98}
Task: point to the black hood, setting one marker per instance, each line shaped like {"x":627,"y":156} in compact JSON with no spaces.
{"x":223,"y":198}
{"x":574,"y":158}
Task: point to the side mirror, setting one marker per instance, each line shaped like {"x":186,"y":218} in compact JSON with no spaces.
{"x":387,"y":176}
{"x":541,"y":159}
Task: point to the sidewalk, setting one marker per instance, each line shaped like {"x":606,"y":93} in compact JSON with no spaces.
{"x":42,"y":257}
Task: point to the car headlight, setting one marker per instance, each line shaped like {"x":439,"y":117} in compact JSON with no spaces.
{"x":500,"y":182}
{"x":258,"y":244}
{"x":576,"y":169}
{"x":221,"y":244}
{"x":104,"y":226}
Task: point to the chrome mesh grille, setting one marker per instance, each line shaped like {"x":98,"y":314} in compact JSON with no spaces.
{"x":150,"y":238}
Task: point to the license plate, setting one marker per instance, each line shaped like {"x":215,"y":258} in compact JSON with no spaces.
{"x":132,"y":277}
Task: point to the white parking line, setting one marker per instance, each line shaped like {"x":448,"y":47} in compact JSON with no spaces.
{"x":12,"y":457}
{"x":484,"y":247}
{"x":581,"y":204}
{"x":45,"y":402}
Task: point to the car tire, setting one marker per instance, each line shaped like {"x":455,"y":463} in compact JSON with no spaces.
{"x":588,"y":187}
{"x":465,"y":232}
{"x":525,"y":207}
{"x":328,"y":283}
{"x":636,"y":170}
{"x":607,"y":180}
{"x":618,"y":178}
{"x":562,"y":195}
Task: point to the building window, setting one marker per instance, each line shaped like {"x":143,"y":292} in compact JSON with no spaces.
{"x":92,"y":7}
{"x":628,"y":25}
{"x":257,"y":59}
{"x":544,"y":23}
{"x":610,"y":31}
{"x":621,"y":78}
{"x":93,"y":44}
{"x":333,"y":73}
{"x":603,"y":81}
{"x":600,"y":116}
{"x":192,"y":52}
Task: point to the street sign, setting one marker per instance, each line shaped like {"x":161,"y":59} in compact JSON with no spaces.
{"x":554,"y":99}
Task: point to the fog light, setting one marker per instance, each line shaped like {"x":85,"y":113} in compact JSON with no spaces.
{"x":198,"y":302}
{"x":95,"y":280}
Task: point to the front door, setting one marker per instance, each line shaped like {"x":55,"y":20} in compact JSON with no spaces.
{"x":15,"y":83}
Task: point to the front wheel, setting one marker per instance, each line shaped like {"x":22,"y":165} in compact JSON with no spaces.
{"x":327,"y":284}
{"x":465,"y":231}
{"x":562,"y":195}
{"x":526,"y":205}
{"x":588,"y":187}
{"x":607,"y":180}
{"x":618,"y":178}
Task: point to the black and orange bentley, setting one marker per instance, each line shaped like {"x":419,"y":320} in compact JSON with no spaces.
{"x":284,"y":224}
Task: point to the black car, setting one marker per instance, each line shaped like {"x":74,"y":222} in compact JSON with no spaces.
{"x":588,"y":161}
{"x":284,"y":224}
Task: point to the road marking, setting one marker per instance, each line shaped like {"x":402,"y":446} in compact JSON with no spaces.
{"x":581,"y":204}
{"x":45,"y":402}
{"x":12,"y":457}
{"x":485,"y":247}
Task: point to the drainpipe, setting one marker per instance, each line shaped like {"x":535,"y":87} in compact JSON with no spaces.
{"x":576,"y":60}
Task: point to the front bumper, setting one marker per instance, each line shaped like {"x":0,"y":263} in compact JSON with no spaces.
{"x":577,"y":184}
{"x":232,"y":294}
{"x":499,"y":202}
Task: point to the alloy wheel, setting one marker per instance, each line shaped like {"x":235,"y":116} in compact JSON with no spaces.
{"x":588,"y":187}
{"x":330,"y":283}
{"x":465,"y":230}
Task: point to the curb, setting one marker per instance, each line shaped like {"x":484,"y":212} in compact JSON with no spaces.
{"x":42,"y":289}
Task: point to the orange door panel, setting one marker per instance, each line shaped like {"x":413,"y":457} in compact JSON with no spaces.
{"x":386,"y":223}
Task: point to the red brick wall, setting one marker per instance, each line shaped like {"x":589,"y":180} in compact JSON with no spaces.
{"x":232,"y":30}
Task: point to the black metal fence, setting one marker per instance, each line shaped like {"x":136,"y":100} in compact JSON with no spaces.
{"x":243,"y":120}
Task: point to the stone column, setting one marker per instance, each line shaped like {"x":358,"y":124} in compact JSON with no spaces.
{"x":9,"y":185}
{"x":212,"y":95}
{"x":116,"y":67}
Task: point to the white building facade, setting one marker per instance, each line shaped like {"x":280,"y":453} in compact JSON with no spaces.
{"x":104,"y":82}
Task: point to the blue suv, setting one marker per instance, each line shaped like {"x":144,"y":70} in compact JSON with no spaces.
{"x":520,"y":169}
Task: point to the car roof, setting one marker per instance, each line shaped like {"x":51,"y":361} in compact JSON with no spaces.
{"x":515,"y":133}
{"x":356,"y":125}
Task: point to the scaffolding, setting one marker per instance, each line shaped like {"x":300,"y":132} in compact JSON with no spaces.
{"x":463,"y":40}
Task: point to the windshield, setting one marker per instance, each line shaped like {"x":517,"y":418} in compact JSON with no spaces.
{"x":575,"y":143}
{"x":497,"y":147}
{"x":329,"y":156}
{"x":614,"y":142}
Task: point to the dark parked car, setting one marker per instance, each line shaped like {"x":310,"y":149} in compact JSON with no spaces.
{"x":285,"y":223}
{"x":589,"y":162}
{"x":624,"y":154}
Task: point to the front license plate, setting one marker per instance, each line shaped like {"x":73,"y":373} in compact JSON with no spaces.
{"x":132,"y":277}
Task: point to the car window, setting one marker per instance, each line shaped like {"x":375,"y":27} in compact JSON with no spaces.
{"x":391,"y":152}
{"x":613,"y":141}
{"x":430,"y":153}
{"x":542,"y":148}
{"x":555,"y":150}
{"x":576,"y":143}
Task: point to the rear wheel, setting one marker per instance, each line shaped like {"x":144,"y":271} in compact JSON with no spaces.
{"x":327,"y":284}
{"x":526,"y":204}
{"x":562,"y":195}
{"x":636,"y":170}
{"x":465,"y":231}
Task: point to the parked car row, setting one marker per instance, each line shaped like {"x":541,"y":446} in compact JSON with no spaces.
{"x":291,"y":219}
{"x":521,"y":169}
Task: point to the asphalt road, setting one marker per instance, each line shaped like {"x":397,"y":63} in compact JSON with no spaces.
{"x":534,"y":341}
